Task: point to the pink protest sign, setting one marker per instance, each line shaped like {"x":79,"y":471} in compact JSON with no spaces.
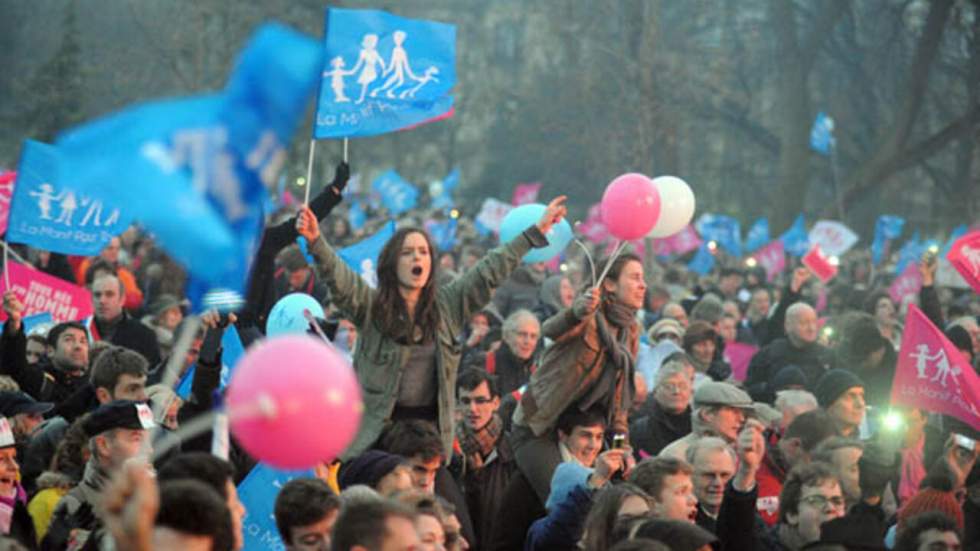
{"x":932,"y":374}
{"x":592,"y":228}
{"x":40,"y":292}
{"x":819,"y":264}
{"x":772,"y":257}
{"x":906,"y":284}
{"x":6,"y":190}
{"x":681,"y":242}
{"x":525,"y":193}
{"x":964,"y":255}
{"x":738,"y":355}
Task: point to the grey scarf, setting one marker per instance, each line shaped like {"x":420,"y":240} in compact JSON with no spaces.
{"x":621,"y":362}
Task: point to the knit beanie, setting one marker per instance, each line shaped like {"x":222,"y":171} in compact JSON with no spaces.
{"x":368,"y":468}
{"x":567,"y":476}
{"x":834,"y":383}
{"x":936,"y":495}
{"x":788,"y":377}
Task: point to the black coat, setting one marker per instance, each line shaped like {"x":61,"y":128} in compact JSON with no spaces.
{"x":43,"y":381}
{"x":484,"y":489}
{"x":519,"y":509}
{"x":132,"y":334}
{"x":814,"y":360}
{"x":653,"y":432}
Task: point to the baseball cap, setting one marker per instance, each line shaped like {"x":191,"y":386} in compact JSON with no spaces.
{"x":14,"y":402}
{"x":119,"y":414}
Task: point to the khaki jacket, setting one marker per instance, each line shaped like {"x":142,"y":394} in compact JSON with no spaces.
{"x":567,"y":371}
{"x":380,"y":361}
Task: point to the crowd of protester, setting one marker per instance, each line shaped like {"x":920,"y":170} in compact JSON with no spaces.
{"x":508,"y":405}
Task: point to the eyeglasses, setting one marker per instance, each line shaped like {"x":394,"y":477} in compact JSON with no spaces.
{"x":818,"y":501}
{"x":479,"y":400}
{"x":672,"y":387}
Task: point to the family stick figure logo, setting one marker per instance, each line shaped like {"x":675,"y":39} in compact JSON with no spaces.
{"x":940,"y":363}
{"x":67,"y":202}
{"x":368,"y":66}
{"x":972,"y":257}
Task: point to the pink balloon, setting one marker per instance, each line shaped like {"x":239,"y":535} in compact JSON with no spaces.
{"x":630,"y":206}
{"x":294,"y":402}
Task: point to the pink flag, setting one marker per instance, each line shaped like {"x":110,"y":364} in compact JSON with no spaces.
{"x":6,"y":190}
{"x":932,"y":374}
{"x":681,"y":242}
{"x":738,"y":355}
{"x":525,"y":193}
{"x":908,"y":283}
{"x":592,"y":228}
{"x":40,"y":292}
{"x":819,"y":264}
{"x":964,"y":255}
{"x":772,"y":257}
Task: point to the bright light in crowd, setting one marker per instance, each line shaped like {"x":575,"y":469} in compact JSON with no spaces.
{"x":454,"y":213}
{"x":563,"y":267}
{"x":301,"y":181}
{"x":712,"y":246}
{"x":933,"y":248}
{"x":834,"y":261}
{"x":751,"y":262}
{"x":892,"y":421}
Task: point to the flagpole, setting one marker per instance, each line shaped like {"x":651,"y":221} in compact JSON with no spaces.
{"x":184,"y":340}
{"x":309,"y":172}
{"x":833,"y":171}
{"x":13,"y":252}
{"x":6,"y":272}
{"x":345,"y":150}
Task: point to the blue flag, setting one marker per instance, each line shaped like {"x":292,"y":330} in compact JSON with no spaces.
{"x":703,"y":261}
{"x":958,"y":232}
{"x":362,"y":257}
{"x":42,"y":321}
{"x":49,"y":211}
{"x":194,"y":171}
{"x":444,"y":200}
{"x":796,"y":240}
{"x":383,"y":73}
{"x":887,"y":227}
{"x":257,"y":493}
{"x":758,"y":235}
{"x":911,"y":251}
{"x":444,"y":234}
{"x":822,"y":134}
{"x":397,"y":194}
{"x":232,"y":351}
{"x":723,"y":230}
{"x":356,"y":216}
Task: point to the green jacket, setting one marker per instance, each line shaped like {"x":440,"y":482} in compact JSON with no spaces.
{"x":379,"y":361}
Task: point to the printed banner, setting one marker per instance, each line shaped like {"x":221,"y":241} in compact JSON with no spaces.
{"x":592,"y":228}
{"x":40,"y":292}
{"x":383,"y":73}
{"x":492,"y":214}
{"x":681,"y":242}
{"x":758,"y":235}
{"x":362,"y":257}
{"x":796,"y":240}
{"x":905,"y":285}
{"x":525,"y":193}
{"x":965,"y":257}
{"x":819,"y":264}
{"x":6,"y":191}
{"x":932,"y":374}
{"x":49,"y":212}
{"x":772,"y":258}
{"x":833,"y":238}
{"x":257,"y":493}
{"x":397,"y":194}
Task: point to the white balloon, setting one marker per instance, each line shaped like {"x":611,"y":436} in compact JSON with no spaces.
{"x":676,"y":206}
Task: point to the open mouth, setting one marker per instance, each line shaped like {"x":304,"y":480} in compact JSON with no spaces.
{"x":417,"y":271}
{"x":693,"y":515}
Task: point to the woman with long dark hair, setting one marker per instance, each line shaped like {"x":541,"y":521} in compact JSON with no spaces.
{"x":408,"y":346}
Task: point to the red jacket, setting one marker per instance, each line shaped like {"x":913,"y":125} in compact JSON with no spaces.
{"x":770,"y":483}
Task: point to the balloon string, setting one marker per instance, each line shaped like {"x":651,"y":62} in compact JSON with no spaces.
{"x":588,"y":257}
{"x":620,"y":246}
{"x":309,"y":172}
{"x":316,"y":326}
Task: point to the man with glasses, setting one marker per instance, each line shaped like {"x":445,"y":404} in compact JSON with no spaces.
{"x":669,"y":416}
{"x":811,"y":496}
{"x":488,"y":461}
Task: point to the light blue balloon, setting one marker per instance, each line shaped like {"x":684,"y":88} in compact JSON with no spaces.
{"x":286,"y":317}
{"x":523,"y":217}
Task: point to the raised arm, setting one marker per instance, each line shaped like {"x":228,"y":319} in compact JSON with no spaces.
{"x":348,"y":291}
{"x":471,"y":291}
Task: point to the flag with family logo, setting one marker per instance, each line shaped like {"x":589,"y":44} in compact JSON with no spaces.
{"x":703,"y":261}
{"x":397,"y":194}
{"x":833,"y":237}
{"x":758,"y":235}
{"x":203,"y":164}
{"x":525,"y":193}
{"x":795,"y":240}
{"x":356,"y":216}
{"x":822,"y":134}
{"x":48,"y":211}
{"x":258,"y":492}
{"x":964,"y":255}
{"x":772,"y":258}
{"x":723,"y":230}
{"x":887,"y":227}
{"x":491,"y":215}
{"x":934,"y":375}
{"x":910,"y":252}
{"x":362,"y":257}
{"x":383,"y":73}
{"x":232,"y":350}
